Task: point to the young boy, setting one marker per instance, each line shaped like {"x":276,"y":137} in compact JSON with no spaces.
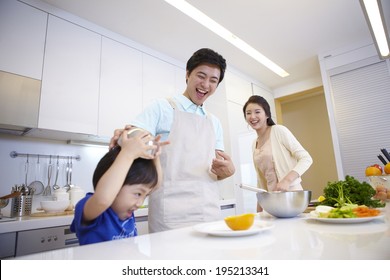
{"x":122,"y":180}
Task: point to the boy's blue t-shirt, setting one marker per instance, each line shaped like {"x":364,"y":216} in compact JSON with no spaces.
{"x":106,"y":227}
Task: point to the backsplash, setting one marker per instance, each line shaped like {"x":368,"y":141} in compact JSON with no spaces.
{"x":12,"y":170}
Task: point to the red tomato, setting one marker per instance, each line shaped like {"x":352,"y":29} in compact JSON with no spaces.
{"x":373,"y":171}
{"x":378,"y":166}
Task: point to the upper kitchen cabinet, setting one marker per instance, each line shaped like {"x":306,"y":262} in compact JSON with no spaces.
{"x":158,"y":79}
{"x":180,"y":80}
{"x":238,"y":90}
{"x":120,"y":86}
{"x":70,"y":82}
{"x":22,"y":39}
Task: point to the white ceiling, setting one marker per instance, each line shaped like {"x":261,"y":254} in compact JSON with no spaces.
{"x":290,"y":32}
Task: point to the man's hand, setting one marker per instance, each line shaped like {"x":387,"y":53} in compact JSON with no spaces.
{"x":222,"y":165}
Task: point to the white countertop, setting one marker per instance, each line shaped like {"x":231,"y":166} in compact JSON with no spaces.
{"x":294,"y":238}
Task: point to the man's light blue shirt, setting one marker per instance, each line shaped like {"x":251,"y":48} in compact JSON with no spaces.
{"x":157,"y":118}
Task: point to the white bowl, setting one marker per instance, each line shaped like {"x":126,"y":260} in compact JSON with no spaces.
{"x":55,"y":206}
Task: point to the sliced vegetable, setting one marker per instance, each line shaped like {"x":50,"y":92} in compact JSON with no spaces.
{"x":364,"y":211}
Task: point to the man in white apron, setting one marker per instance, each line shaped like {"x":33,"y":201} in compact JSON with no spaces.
{"x":194,"y":160}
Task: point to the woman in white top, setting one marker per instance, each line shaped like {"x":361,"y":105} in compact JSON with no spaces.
{"x":278,"y":157}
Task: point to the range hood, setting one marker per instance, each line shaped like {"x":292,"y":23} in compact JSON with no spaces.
{"x":19,"y":104}
{"x":14,"y":130}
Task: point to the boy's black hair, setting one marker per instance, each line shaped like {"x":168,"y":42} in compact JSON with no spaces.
{"x":142,"y":171}
{"x":207,"y":56}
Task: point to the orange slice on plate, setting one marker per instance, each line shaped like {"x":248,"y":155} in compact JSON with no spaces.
{"x":240,"y":222}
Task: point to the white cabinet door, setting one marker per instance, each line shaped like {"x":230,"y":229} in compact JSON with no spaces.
{"x":158,"y":79}
{"x":180,"y":80}
{"x":22,"y":39}
{"x":238,"y":90}
{"x":70,"y":82}
{"x":257,"y":90}
{"x":120,"y":97}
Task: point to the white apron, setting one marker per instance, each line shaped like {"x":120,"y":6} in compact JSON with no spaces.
{"x":189,"y":193}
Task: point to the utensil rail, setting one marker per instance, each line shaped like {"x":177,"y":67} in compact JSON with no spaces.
{"x":15,"y":154}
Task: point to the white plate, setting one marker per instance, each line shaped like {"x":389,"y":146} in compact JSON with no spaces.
{"x":221,"y":229}
{"x":344,"y":220}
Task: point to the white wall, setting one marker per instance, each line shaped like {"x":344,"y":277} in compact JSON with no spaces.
{"x":12,"y":170}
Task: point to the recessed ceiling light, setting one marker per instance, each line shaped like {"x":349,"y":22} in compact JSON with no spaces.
{"x":221,"y":31}
{"x":376,"y":19}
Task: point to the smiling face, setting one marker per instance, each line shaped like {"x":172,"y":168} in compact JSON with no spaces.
{"x":202,"y":83}
{"x":255,"y":116}
{"x":129,"y":199}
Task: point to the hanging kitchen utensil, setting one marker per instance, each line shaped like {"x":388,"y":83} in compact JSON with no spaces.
{"x":37,"y":185}
{"x":47,"y":190}
{"x":24,"y":188}
{"x":56,"y":187}
{"x":67,"y":186}
{"x":70,"y":172}
{"x":26,"y":171}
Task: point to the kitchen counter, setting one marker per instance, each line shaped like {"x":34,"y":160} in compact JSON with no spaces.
{"x":294,"y":238}
{"x":29,"y":223}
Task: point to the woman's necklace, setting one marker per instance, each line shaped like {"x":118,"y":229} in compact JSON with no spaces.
{"x":261,"y":139}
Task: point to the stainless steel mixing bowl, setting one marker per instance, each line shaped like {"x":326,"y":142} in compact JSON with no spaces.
{"x":284,"y":204}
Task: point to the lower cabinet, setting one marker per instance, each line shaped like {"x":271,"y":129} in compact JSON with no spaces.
{"x":14,"y":244}
{"x":8,"y":244}
{"x":45,"y":239}
{"x":142,"y":225}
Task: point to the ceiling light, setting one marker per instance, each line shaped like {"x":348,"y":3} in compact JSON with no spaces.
{"x":376,"y":16}
{"x":221,"y":31}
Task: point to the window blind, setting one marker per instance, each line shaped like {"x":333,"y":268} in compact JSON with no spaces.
{"x":361,"y":99}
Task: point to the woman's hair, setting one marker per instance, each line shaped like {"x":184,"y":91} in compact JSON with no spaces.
{"x":259,"y":100}
{"x":142,"y":171}
{"x":207,"y":56}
